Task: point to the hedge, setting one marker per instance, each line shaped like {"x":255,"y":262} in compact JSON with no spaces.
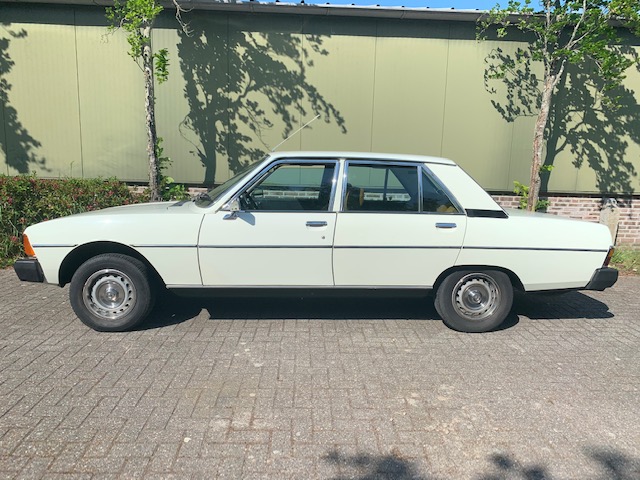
{"x":25,"y":200}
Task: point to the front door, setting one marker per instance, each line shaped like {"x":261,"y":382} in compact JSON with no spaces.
{"x":283,"y":234}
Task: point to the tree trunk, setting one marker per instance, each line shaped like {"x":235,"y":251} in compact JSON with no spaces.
{"x":538,"y":141}
{"x":149,"y":105}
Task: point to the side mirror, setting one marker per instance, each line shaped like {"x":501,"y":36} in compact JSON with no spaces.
{"x":234,"y":208}
{"x":234,"y":205}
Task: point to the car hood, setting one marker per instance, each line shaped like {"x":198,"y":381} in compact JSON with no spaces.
{"x":135,"y":209}
{"x":172,"y":223}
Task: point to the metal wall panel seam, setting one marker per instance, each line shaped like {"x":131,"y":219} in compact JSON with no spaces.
{"x":373,"y":89}
{"x":75,"y":46}
{"x":446,"y":83}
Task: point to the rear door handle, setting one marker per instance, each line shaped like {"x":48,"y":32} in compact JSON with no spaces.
{"x":446,"y":225}
{"x":316,"y":224}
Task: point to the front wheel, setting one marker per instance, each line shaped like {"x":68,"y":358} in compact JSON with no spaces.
{"x":471,"y":301}
{"x":111,"y":292}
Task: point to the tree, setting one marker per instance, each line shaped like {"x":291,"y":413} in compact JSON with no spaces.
{"x":563,"y":32}
{"x":136,"y":18}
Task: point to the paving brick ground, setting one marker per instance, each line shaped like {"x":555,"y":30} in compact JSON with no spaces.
{"x":321,"y":388}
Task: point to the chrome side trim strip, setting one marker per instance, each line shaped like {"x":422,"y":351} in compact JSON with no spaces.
{"x":54,"y":245}
{"x":163,"y":246}
{"x":264,"y":246}
{"x":538,"y":249}
{"x":399,"y":247}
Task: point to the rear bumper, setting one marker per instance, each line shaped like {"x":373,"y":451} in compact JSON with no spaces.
{"x":29,"y":270}
{"x":602,"y":278}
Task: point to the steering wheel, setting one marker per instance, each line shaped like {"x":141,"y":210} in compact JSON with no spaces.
{"x":250,"y":203}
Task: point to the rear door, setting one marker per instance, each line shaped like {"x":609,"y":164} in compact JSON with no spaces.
{"x":397,"y":226}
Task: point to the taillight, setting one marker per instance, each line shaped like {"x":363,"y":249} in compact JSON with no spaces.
{"x":28,"y":249}
{"x":609,"y":255}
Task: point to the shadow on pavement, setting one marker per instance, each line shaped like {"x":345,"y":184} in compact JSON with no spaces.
{"x":610,"y":464}
{"x":540,"y":306}
{"x":374,"y":467}
{"x":171,"y":309}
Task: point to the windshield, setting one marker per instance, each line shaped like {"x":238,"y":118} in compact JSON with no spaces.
{"x":206,"y":199}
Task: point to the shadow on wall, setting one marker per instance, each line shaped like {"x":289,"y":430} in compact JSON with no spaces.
{"x":18,"y":146}
{"x":226,"y":72}
{"x":579,"y":121}
{"x":610,"y":464}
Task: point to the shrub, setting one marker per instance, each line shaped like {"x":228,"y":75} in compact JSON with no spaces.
{"x":25,"y":200}
{"x":627,"y":260}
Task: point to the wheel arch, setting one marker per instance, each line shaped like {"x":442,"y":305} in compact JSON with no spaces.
{"x":84,"y":252}
{"x":515,"y":280}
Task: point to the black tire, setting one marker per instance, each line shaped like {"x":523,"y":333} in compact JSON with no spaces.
{"x":474,"y":301}
{"x":111,"y":292}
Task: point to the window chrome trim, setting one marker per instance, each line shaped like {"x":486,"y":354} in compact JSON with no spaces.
{"x":380,"y":164}
{"x":288,"y":161}
{"x":388,"y":212}
{"x":421,"y":168}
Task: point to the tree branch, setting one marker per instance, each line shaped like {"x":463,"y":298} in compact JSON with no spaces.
{"x":183,"y":25}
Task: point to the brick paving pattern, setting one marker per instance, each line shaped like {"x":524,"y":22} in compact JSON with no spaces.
{"x":321,"y":389}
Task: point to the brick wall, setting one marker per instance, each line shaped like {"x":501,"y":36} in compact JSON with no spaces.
{"x":589,"y":208}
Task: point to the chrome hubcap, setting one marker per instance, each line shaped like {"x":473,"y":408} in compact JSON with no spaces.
{"x":109,"y":293}
{"x":476,"y":296}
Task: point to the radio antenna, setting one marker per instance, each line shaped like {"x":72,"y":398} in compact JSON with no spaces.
{"x":302,"y":127}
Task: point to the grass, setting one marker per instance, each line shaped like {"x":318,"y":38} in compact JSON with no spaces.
{"x":627,"y":260}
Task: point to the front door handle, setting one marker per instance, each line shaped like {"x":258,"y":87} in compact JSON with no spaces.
{"x":316,"y":224}
{"x":446,"y":225}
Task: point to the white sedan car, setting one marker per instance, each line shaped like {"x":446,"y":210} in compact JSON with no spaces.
{"x":320,"y":220}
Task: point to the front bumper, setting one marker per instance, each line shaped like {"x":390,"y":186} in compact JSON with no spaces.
{"x":29,"y":270}
{"x":602,"y":278}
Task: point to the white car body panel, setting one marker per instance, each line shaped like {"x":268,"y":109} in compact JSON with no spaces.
{"x":370,"y":250}
{"x":164,"y":234}
{"x":545,"y":251}
{"x":192,"y":246}
{"x":267,"y":249}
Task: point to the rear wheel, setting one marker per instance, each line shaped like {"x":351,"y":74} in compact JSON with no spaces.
{"x":471,"y":301}
{"x":111,"y":292}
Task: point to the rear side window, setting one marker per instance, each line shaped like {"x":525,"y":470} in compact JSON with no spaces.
{"x":434,"y":198}
{"x":381,"y":188}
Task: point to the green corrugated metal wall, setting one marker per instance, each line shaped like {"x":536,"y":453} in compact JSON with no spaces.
{"x":72,"y":100}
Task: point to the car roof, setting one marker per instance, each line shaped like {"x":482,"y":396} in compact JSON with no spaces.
{"x":372,"y":156}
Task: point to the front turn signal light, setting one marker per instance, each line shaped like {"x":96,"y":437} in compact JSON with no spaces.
{"x":28,"y":249}
{"x":609,"y":256}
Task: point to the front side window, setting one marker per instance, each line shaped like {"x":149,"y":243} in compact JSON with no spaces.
{"x":381,"y":188}
{"x":292,"y":187}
